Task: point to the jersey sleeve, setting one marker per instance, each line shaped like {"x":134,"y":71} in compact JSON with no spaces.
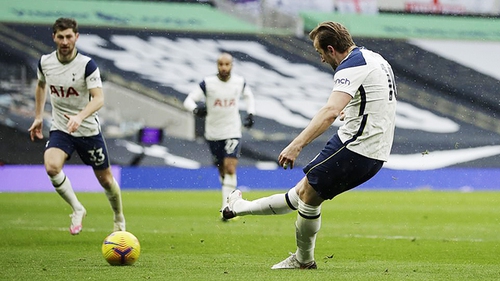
{"x":92,"y":75}
{"x":197,"y":94}
{"x":39,"y":71}
{"x":348,"y":80}
{"x":249,"y":99}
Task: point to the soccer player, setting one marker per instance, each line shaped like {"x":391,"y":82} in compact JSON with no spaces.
{"x":74,"y":83}
{"x":364,"y":95}
{"x":221,"y":94}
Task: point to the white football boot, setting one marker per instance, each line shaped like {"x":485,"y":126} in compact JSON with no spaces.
{"x":228,"y":212}
{"x":119,"y":223}
{"x":292,"y":263}
{"x":76,"y":221}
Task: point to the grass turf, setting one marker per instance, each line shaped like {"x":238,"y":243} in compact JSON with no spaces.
{"x":365,"y":235}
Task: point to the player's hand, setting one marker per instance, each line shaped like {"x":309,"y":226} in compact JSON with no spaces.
{"x":74,"y":121}
{"x":36,"y":130}
{"x":288,"y":155}
{"x":248,"y":123}
{"x":342,"y":115}
{"x":200,"y":111}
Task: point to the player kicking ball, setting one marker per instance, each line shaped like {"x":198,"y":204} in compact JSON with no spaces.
{"x":364,"y":95}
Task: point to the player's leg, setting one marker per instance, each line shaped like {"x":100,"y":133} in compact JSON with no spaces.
{"x":218,"y":155}
{"x":113,"y":193}
{"x":230,"y":150}
{"x":230,"y":180}
{"x":323,"y":172}
{"x":276,"y":204}
{"x":93,"y":152}
{"x":225,"y":154}
{"x":334,"y":171}
{"x":54,"y":159}
{"x":307,"y":225}
{"x":58,"y":150}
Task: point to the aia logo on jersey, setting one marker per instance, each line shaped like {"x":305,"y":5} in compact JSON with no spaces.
{"x":342,"y":81}
{"x":224,"y":103}
{"x":61,"y":92}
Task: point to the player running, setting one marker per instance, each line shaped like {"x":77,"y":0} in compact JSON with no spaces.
{"x":221,"y":94}
{"x":74,"y":83}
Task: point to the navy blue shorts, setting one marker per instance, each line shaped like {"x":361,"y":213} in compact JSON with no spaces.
{"x":224,"y":148}
{"x":336,"y":169}
{"x":92,"y":150}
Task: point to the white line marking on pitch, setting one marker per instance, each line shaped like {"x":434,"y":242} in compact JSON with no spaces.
{"x":399,"y":237}
{"x":362,"y":236}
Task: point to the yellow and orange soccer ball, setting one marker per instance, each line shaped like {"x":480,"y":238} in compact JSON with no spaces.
{"x":121,"y":248}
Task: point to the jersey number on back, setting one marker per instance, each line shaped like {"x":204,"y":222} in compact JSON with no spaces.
{"x":392,"y":82}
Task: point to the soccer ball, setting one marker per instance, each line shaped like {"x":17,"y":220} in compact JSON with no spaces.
{"x":121,"y":248}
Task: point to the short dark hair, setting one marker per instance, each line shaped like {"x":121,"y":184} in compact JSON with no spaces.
{"x":63,"y":24}
{"x":334,"y":34}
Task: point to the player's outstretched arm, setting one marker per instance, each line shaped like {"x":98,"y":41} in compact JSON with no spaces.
{"x":318,"y":125}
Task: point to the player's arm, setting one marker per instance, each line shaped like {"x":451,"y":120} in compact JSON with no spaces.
{"x":318,"y":125}
{"x":96,"y":103}
{"x":249,"y":99}
{"x":40,"y":98}
{"x":250,"y":104}
{"x":190,"y":102}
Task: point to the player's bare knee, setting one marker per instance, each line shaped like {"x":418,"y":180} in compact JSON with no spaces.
{"x":105,"y":182}
{"x":230,"y":170}
{"x":52,"y":169}
{"x":307,"y":193}
{"x":105,"y":178}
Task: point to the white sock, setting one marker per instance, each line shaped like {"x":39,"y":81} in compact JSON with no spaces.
{"x":277,"y":204}
{"x":306,"y":227}
{"x":63,"y":187}
{"x":115,"y":200}
{"x":228,"y":185}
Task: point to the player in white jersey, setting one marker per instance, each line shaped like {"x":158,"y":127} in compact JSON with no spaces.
{"x":364,"y":96}
{"x":74,"y":84}
{"x":221,"y":94}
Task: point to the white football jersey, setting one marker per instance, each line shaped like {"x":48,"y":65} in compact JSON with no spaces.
{"x":68,"y":85}
{"x":223,"y":120}
{"x":370,"y":115}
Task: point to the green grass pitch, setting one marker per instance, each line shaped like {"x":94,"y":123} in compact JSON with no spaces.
{"x":365,"y":235}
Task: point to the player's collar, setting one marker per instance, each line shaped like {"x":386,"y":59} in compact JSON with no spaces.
{"x":66,"y":62}
{"x":228,"y":77}
{"x":349,"y":53}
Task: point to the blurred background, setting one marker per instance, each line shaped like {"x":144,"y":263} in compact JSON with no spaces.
{"x":151,"y":54}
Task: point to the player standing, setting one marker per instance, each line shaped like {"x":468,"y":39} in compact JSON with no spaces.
{"x":364,"y":95}
{"x":76,"y":95}
{"x":221,"y":94}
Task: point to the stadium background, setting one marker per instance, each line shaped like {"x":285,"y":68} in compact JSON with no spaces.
{"x":152,"y":52}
